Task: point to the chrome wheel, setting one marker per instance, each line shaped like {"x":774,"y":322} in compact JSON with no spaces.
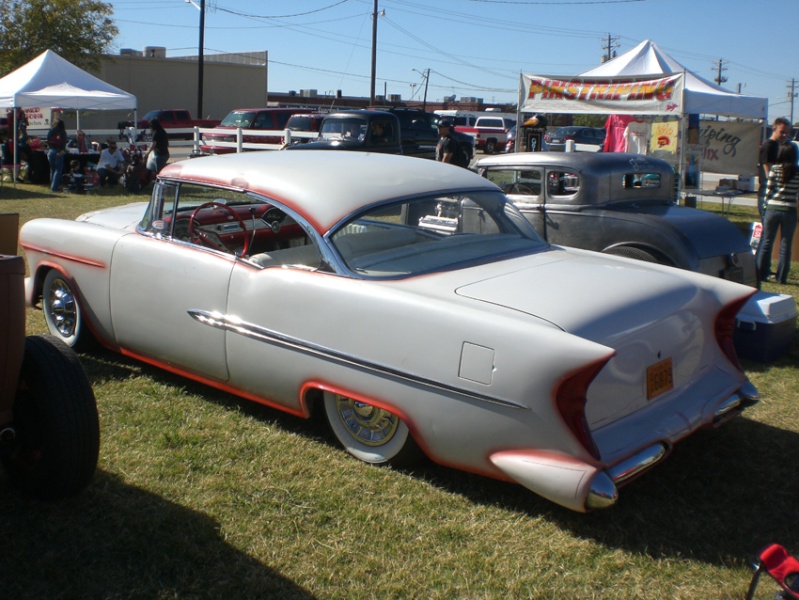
{"x":61,"y":309}
{"x":369,"y":433}
{"x":368,"y":424}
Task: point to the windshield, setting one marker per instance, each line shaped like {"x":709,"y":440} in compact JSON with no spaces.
{"x":434,"y":233}
{"x":338,"y":129}
{"x":241,"y":119}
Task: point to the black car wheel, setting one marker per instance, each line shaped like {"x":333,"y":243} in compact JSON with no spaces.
{"x":490,"y":147}
{"x":57,"y":432}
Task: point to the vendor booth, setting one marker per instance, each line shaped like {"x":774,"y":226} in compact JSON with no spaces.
{"x":646,"y":88}
{"x":51,"y":81}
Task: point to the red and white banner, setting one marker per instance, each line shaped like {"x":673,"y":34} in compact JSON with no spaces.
{"x":640,"y":95}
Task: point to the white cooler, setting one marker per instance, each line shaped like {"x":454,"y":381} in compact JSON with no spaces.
{"x":764,"y":327}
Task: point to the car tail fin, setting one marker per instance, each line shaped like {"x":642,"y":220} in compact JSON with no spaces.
{"x":725,"y":329}
{"x":570,"y":399}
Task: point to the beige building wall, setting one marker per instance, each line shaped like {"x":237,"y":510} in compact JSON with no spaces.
{"x":172,"y":83}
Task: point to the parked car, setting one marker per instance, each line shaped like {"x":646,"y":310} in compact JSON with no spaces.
{"x":170,"y":118}
{"x":586,"y":139}
{"x":359,"y":130}
{"x":419,"y":132}
{"x":304,"y":123}
{"x":622,"y":204}
{"x":49,"y":428}
{"x":490,"y":133}
{"x":267,"y":119}
{"x":411,"y":304}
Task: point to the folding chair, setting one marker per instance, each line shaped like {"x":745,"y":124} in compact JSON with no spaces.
{"x":782,"y":567}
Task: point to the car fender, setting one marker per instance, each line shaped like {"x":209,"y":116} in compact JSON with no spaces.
{"x":82,"y":252}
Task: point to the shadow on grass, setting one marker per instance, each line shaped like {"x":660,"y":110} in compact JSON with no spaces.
{"x":115,"y":541}
{"x":719,"y":497}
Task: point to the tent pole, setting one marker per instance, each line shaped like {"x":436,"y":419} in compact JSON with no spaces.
{"x":519,"y":100}
{"x":14,"y":168}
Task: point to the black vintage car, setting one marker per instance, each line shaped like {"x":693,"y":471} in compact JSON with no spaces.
{"x":407,"y":131}
{"x":623,"y":204}
{"x":360,"y":130}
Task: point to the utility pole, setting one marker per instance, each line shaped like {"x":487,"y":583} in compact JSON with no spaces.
{"x":427,"y":78}
{"x":792,"y":95}
{"x":610,"y":48}
{"x":374,"y":55}
{"x":200,"y":62}
{"x":719,"y":67}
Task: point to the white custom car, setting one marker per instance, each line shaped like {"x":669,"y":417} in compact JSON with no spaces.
{"x":412,"y":304}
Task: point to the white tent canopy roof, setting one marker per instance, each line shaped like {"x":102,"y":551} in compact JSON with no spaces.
{"x":701,"y":96}
{"x":51,"y":81}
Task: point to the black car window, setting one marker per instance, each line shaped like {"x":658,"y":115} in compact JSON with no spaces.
{"x":263,"y":121}
{"x":282,"y":119}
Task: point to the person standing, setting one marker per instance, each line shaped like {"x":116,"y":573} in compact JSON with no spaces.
{"x":159,"y":148}
{"x":780,"y":130}
{"x":448,"y":149}
{"x":56,"y":147}
{"x":780,"y":215}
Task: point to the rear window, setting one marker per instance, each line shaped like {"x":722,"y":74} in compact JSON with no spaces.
{"x":303,"y":123}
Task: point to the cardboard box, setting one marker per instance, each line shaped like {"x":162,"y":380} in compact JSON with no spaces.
{"x":765,"y":326}
{"x":9,"y":233}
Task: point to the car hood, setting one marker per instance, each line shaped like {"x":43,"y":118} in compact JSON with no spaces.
{"x":591,"y":295}
{"x":119,"y":217}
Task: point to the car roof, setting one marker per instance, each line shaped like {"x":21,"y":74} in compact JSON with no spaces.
{"x":578,"y":160}
{"x":270,"y":109}
{"x":325,"y":186}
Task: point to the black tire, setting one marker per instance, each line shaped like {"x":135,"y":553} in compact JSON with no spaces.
{"x":635,"y":253}
{"x":352,"y":422}
{"x":62,"y":311}
{"x":57,"y":443}
{"x":490,"y":147}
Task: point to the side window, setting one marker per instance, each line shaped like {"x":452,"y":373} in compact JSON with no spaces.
{"x":282,"y":119}
{"x":517,"y":182}
{"x":263,"y":121}
{"x":562,"y":184}
{"x":641,"y":180}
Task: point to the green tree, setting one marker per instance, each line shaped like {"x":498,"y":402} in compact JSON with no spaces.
{"x":78,"y":30}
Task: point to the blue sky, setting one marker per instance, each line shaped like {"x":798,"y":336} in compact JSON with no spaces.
{"x":476,"y":47}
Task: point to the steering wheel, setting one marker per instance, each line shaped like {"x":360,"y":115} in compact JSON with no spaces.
{"x":215,"y":241}
{"x":521,"y":188}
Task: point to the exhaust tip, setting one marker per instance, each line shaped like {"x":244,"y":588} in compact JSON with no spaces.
{"x":602,"y":494}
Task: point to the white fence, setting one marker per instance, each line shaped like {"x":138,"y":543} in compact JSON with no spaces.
{"x":126,"y":138}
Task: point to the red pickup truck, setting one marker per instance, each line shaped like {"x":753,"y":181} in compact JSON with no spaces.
{"x":490,"y":133}
{"x":174,"y":118}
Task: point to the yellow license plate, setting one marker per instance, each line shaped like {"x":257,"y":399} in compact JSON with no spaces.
{"x":659,"y":378}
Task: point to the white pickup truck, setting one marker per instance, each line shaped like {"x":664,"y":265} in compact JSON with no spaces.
{"x":490,"y":133}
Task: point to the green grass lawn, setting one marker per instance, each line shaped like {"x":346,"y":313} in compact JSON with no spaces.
{"x":202,"y":495}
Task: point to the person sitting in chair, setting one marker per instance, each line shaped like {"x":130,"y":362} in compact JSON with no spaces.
{"x":111,"y":165}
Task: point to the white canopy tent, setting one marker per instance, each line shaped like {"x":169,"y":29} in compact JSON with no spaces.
{"x":700,"y":95}
{"x":51,"y":81}
{"x":643,"y":81}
